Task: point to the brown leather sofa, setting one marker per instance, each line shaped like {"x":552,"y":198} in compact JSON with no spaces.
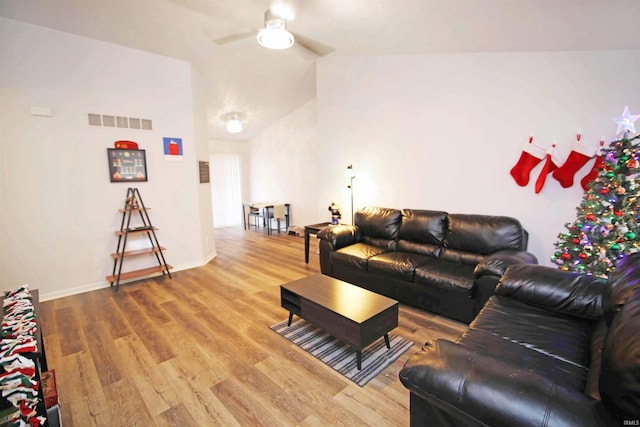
{"x":445,"y":263}
{"x":550,"y":348}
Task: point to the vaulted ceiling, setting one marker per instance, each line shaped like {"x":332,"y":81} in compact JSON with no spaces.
{"x":266,"y":84}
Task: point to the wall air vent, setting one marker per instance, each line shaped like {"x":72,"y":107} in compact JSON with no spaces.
{"x":119,"y":121}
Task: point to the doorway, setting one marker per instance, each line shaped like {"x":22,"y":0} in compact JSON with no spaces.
{"x":226,"y":187}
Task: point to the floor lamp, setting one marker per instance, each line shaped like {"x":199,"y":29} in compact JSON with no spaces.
{"x":349,"y":174}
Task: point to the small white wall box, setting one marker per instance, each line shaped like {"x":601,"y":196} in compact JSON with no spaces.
{"x":41,"y":111}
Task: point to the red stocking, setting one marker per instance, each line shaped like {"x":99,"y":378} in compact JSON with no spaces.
{"x":550,"y":164}
{"x":531,"y":155}
{"x":579,"y":156}
{"x":595,"y":169}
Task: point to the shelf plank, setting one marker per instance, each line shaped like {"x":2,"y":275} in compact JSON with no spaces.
{"x":135,"y":209}
{"x":137,"y":230}
{"x":139,"y":252}
{"x":139,"y":273}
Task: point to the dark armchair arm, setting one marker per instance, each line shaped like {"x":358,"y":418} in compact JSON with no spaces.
{"x":479,"y":390}
{"x":340,"y":236}
{"x":561,"y":291}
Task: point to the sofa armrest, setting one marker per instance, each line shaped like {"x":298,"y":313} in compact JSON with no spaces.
{"x":496,"y":263}
{"x":570,"y":293}
{"x":340,"y":236}
{"x":485,"y":390}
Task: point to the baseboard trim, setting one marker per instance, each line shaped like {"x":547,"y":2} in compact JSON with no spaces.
{"x":104,"y":284}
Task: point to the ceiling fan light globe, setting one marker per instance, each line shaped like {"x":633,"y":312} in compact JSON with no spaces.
{"x":275,"y":38}
{"x":234,"y":126}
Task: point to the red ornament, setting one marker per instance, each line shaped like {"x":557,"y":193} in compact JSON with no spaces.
{"x":566,"y":255}
{"x":632,"y":163}
{"x":590,"y":217}
{"x":582,"y":255}
{"x":576,"y":241}
{"x":617,"y":213}
{"x":604,"y":191}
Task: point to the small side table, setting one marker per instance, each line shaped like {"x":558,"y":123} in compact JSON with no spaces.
{"x":309,"y":230}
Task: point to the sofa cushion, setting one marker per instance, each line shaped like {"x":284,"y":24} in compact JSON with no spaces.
{"x":565,"y":338}
{"x":461,"y":257}
{"x":483,"y":234}
{"x":512,"y":353}
{"x":622,"y":282}
{"x":356,"y":255}
{"x":400,"y":265}
{"x":422,"y":231}
{"x":447,"y":276}
{"x":620,"y":370}
{"x":379,"y":226}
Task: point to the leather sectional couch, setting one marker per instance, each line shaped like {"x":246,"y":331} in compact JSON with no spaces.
{"x":445,"y":263}
{"x":550,"y":348}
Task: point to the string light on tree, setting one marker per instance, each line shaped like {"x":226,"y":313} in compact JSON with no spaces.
{"x":606,"y":227}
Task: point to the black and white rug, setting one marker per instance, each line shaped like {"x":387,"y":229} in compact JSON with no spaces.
{"x":341,"y":357}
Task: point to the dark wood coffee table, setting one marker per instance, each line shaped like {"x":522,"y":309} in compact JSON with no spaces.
{"x":354,"y":315}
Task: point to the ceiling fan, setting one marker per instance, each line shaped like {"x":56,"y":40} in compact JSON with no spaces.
{"x":274,"y":34}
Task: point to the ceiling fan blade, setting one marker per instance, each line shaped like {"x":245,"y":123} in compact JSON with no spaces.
{"x":234,"y":37}
{"x":314,"y":46}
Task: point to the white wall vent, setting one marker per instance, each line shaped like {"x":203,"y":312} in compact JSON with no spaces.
{"x":122,"y":122}
{"x":95,"y":119}
{"x":109,"y":121}
{"x":119,"y":121}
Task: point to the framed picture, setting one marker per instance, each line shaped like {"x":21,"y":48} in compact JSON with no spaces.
{"x":127,"y":165}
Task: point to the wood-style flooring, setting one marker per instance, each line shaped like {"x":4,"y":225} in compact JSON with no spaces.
{"x":197,"y":350}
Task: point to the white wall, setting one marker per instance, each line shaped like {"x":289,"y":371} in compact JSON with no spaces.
{"x":443,"y":131}
{"x":205,"y":221}
{"x":58,"y":209}
{"x":284,"y":165}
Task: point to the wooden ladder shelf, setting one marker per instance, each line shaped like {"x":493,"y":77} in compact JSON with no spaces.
{"x":134,"y":204}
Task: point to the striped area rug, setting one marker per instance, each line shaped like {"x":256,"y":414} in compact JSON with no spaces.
{"x":341,"y":357}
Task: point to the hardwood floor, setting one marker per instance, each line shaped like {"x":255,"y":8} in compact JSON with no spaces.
{"x":197,"y":351}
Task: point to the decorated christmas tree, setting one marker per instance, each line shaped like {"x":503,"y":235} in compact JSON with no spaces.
{"x":606,"y":227}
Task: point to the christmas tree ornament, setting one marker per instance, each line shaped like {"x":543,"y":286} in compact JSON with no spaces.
{"x":579,"y":156}
{"x":529,"y":158}
{"x":550,"y":164}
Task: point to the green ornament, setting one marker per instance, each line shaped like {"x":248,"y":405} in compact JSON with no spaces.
{"x":615,"y":247}
{"x":610,"y":174}
{"x":630,"y":235}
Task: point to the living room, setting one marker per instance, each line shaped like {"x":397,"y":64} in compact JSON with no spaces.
{"x":437,"y":131}
{"x":425,"y":131}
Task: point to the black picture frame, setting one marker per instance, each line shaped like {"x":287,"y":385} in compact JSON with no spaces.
{"x":127,"y":165}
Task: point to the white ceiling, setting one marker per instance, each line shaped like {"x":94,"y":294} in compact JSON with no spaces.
{"x":267,"y":85}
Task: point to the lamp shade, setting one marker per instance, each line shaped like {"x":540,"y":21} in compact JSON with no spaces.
{"x":274,"y":35}
{"x":275,"y":38}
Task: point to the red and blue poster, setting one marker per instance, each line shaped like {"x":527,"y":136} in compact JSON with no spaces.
{"x":172,"y":149}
